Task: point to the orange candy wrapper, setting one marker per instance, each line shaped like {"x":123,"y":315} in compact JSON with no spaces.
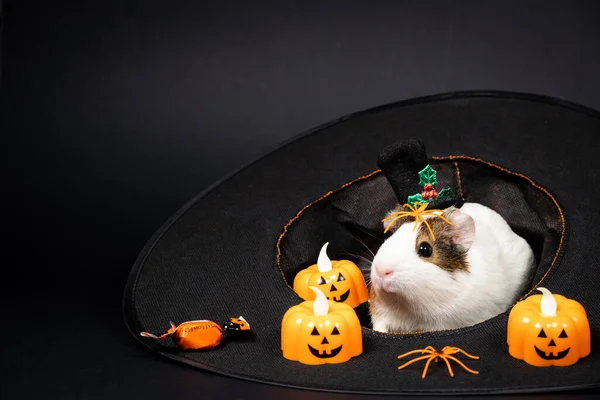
{"x":201,"y":334}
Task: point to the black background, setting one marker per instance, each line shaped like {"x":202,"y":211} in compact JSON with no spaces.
{"x":116,"y":113}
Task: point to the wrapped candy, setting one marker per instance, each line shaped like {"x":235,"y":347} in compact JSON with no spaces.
{"x":201,"y":334}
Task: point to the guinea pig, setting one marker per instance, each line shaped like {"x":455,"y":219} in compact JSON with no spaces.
{"x":476,"y":268}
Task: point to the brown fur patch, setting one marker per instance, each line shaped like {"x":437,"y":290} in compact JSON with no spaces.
{"x":446,"y":255}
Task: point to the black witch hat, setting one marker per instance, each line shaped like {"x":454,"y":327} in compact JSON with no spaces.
{"x":236,"y":248}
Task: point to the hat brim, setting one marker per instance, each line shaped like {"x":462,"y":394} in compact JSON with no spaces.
{"x":218,"y":256}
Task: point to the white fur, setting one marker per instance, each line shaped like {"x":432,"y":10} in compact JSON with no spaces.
{"x":420,"y":296}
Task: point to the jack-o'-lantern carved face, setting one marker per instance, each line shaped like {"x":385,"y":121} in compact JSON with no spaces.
{"x":548,"y":329}
{"x":340,"y":281}
{"x":325,"y":341}
{"x":335,"y":286}
{"x":552,"y":347}
{"x":321,"y":331}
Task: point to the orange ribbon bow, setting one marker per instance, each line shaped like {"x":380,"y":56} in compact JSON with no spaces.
{"x":418,"y":214}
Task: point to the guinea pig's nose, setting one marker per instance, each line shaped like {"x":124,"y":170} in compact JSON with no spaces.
{"x":383,"y":269}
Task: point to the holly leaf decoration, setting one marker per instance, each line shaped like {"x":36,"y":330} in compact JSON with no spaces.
{"x":416,"y":197}
{"x":428,"y":175}
{"x":445,"y":193}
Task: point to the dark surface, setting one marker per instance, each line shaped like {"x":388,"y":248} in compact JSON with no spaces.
{"x":217,"y":256}
{"x":114,"y":114}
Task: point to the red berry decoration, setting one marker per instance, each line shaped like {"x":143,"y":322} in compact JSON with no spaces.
{"x":429,"y":194}
{"x":428,"y":179}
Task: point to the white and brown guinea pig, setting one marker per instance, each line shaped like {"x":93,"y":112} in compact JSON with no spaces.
{"x":475,"y":269}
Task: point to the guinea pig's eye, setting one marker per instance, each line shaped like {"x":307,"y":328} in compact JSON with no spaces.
{"x":425,"y":250}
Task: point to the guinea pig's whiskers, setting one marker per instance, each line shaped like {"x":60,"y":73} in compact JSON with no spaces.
{"x":364,"y":244}
{"x":365,"y":263}
{"x":364,"y":266}
{"x":358,"y":256}
{"x":380,"y":238}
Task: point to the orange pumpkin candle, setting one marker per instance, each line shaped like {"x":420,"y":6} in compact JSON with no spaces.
{"x":320,"y":332}
{"x":548,"y":329}
{"x":341,"y":281}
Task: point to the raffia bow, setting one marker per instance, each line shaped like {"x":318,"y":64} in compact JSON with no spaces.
{"x":417,"y":213}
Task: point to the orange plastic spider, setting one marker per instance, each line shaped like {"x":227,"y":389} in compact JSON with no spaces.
{"x":433,"y":354}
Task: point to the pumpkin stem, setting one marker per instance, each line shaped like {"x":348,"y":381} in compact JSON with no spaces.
{"x":548,"y":303}
{"x":323,"y":262}
{"x":320,"y":305}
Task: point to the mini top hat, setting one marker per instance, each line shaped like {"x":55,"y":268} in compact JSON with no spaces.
{"x":403,"y":164}
{"x":236,"y":248}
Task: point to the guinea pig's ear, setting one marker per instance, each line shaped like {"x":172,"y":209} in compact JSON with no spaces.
{"x":463,"y":228}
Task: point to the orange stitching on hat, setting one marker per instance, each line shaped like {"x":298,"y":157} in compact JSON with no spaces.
{"x":460,"y":187}
{"x":291,"y":221}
